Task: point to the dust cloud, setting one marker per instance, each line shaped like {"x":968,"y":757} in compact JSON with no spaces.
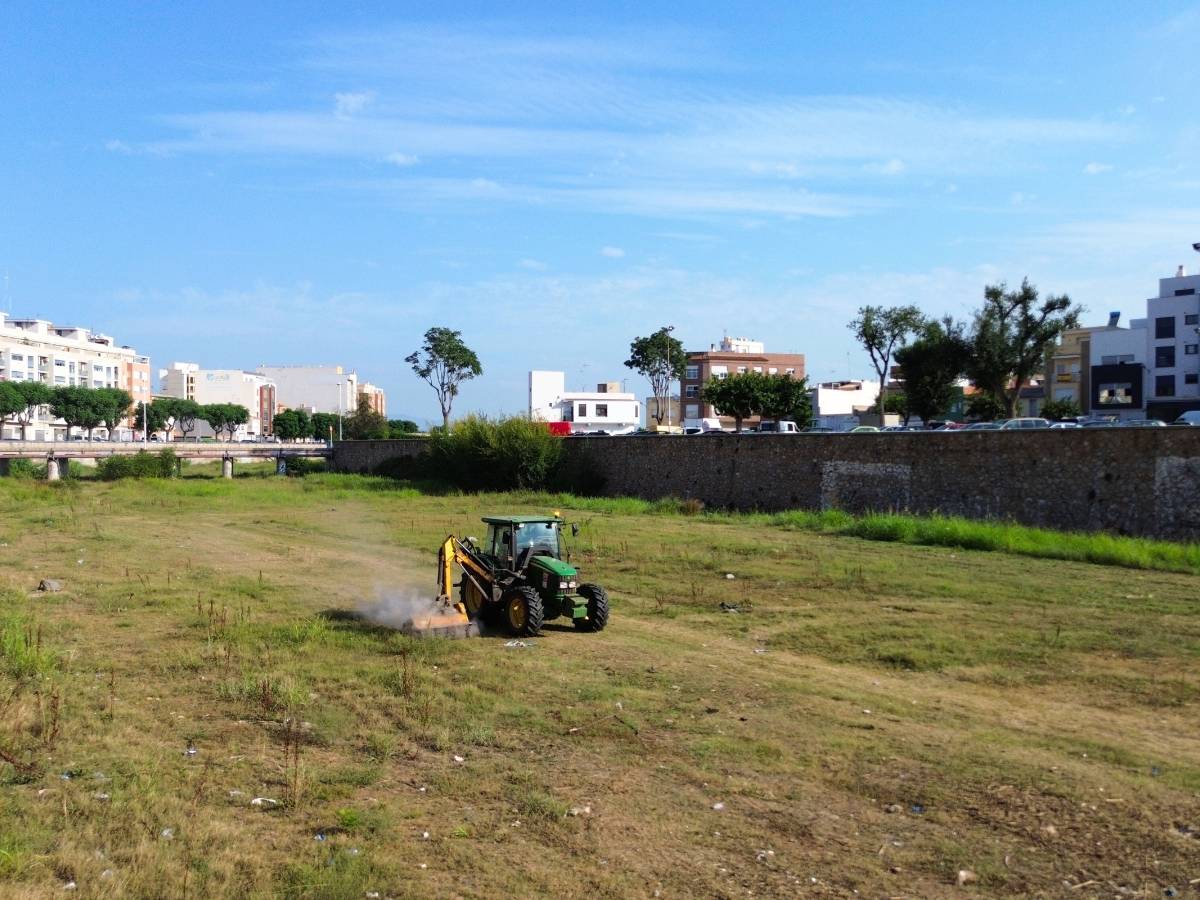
{"x":401,"y":608}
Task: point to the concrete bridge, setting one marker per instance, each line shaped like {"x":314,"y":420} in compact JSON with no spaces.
{"x":55,"y":454}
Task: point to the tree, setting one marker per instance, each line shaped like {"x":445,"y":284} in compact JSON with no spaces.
{"x":78,"y":407}
{"x":932,"y":364}
{"x":181,"y":413}
{"x":12,"y":402}
{"x":402,"y":427}
{"x":113,"y":404}
{"x":786,"y":397}
{"x":880,"y":329}
{"x":292,"y":424}
{"x":444,"y":362}
{"x":324,"y":426}
{"x":33,"y":395}
{"x":897,"y":404}
{"x":984,"y":407}
{"x":224,"y":417}
{"x":739,"y":396}
{"x":1010,"y":338}
{"x":365,"y":424}
{"x":661,"y":359}
{"x":1058,"y":410}
{"x":151,"y":417}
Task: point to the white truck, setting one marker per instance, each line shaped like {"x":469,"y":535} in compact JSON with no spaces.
{"x":783,"y":426}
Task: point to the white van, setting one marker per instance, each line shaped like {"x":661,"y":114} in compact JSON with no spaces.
{"x":1191,"y":417}
{"x":781,"y":427}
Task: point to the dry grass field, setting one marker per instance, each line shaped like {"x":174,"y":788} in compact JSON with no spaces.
{"x":871,"y":719}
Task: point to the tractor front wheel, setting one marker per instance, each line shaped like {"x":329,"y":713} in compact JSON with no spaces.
{"x":524,"y":612}
{"x":597,"y":608}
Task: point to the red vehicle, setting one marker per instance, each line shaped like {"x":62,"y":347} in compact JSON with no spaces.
{"x":562,"y":429}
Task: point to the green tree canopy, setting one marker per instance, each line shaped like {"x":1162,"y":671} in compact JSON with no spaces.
{"x":1058,"y":410}
{"x":785,"y":397}
{"x":33,"y":395}
{"x":292,"y":424}
{"x":881,"y":330}
{"x":181,"y":413}
{"x":983,"y":407}
{"x":662,"y":360}
{"x":1011,"y":334}
{"x":78,"y":407}
{"x":402,"y":427}
{"x":444,"y":362}
{"x":365,"y":424}
{"x":739,"y":396}
{"x":113,"y":404}
{"x":152,"y":416}
{"x":324,"y":425}
{"x":12,"y":401}
{"x":224,"y":417}
{"x":932,"y":364}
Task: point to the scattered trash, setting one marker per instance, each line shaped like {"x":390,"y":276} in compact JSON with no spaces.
{"x":424,"y":835}
{"x":866,"y":712}
{"x":1170,"y":892}
{"x":99,"y":776}
{"x":718,"y":806}
{"x":167,"y":834}
{"x":101,"y":797}
{"x":423,"y":866}
{"x":1050,"y":831}
{"x":106,"y":874}
{"x":1187,"y":830}
{"x":764,"y":855}
{"x":917,"y":809}
{"x":318,"y":836}
{"x":50,"y":586}
{"x":459,"y":759}
{"x":190,"y":751}
{"x":42,"y":792}
{"x":354,"y":851}
{"x":579,"y":811}
{"x":892,"y":808}
{"x":760,"y":649}
{"x":69,"y":886}
{"x":515,"y":644}
{"x":619,"y":705}
{"x":730,"y":607}
{"x":729,"y":576}
{"x":264,"y":801}
{"x":966,"y":876}
{"x":233,"y":795}
{"x":71,"y":773}
{"x":372,"y":895}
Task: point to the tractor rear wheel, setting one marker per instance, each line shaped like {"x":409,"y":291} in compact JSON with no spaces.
{"x":524,"y":612}
{"x":597,"y":607}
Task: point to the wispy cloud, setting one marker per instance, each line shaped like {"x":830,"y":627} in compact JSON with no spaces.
{"x":1095,"y":168}
{"x":612,"y":252}
{"x":617,"y":122}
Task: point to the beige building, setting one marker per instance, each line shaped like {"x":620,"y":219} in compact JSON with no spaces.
{"x":249,"y":389}
{"x":733,"y":356}
{"x":62,"y":356}
{"x":375,"y":396}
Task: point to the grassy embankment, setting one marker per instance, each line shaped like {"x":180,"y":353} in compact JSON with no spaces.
{"x":1030,"y":720}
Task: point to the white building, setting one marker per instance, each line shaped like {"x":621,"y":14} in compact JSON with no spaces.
{"x":249,"y":389}
{"x":61,"y":356}
{"x":316,"y":389}
{"x":605,"y":409}
{"x":837,"y":404}
{"x":1173,"y":346}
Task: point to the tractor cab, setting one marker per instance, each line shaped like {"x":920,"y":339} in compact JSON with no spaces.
{"x":512,"y":542}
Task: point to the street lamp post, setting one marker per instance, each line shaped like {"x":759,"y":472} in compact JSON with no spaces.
{"x":668,"y":330}
{"x":339,"y":399}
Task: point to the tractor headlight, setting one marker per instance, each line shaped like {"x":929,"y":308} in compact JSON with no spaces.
{"x":570,"y":585}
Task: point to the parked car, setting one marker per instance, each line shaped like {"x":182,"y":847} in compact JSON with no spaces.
{"x":1143,"y":423}
{"x":864,"y":429}
{"x":783,"y":426}
{"x":1097,"y":423}
{"x":1063,"y":425}
{"x":1191,"y":417}
{"x":819,"y":429}
{"x":1024,"y":423}
{"x":984,"y":426}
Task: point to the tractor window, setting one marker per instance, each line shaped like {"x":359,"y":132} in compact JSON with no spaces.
{"x":499,"y":541}
{"x":542,"y":537}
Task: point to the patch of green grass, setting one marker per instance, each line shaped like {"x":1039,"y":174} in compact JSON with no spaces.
{"x":22,"y":652}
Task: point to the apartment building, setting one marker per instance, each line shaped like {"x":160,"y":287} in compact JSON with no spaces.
{"x":607,"y":408}
{"x":316,"y":389}
{"x":249,"y":389}
{"x":374,"y":396}
{"x":61,"y":356}
{"x":1172,"y":328}
{"x":838,"y":404}
{"x":733,"y":356}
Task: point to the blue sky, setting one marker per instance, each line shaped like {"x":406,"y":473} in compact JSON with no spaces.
{"x":234,"y":184}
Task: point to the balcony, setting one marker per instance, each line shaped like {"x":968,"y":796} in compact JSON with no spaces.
{"x":1066,"y":378}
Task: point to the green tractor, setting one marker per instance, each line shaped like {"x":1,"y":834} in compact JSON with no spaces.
{"x":516,"y":577}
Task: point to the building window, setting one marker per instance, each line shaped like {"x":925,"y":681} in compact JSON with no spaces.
{"x":1114,"y":360}
{"x":691,"y":391}
{"x":691,"y":372}
{"x":1164,"y":357}
{"x":692,"y":411}
{"x":1115,"y":395}
{"x":772,"y":371}
{"x":17,"y":357}
{"x":1190,"y":349}
{"x":1164,"y":328}
{"x":758,"y":369}
{"x":1190,"y":378}
{"x":789,"y":371}
{"x":741,"y":370}
{"x":582,"y":409}
{"x":1164,"y":386}
{"x":1185,"y":292}
{"x":601,"y":410}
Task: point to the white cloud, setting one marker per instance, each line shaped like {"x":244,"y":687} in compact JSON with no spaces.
{"x":402,"y":159}
{"x":1095,"y":168}
{"x":891,"y":167}
{"x":350,"y":104}
{"x":533,"y":265}
{"x":612,"y":252}
{"x":115,"y":146}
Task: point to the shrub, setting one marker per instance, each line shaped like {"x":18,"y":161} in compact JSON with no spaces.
{"x":300,"y":466}
{"x":140,"y":465}
{"x":25,"y":468}
{"x":478,"y":453}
